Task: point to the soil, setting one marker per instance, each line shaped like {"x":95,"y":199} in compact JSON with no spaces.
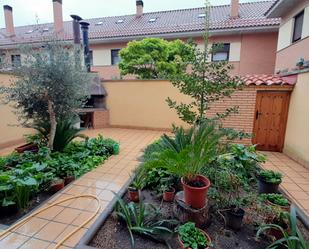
{"x":40,"y":198}
{"x":114,"y":234}
{"x":196,"y":184}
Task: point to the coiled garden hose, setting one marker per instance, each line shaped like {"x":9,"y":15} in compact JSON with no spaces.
{"x":20,"y":223}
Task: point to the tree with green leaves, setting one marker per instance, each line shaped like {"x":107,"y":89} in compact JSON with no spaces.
{"x":49,"y":86}
{"x":204,"y":81}
{"x":154,"y":58}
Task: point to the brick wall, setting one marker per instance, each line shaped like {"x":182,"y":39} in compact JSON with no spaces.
{"x":100,"y":119}
{"x":245,"y":100}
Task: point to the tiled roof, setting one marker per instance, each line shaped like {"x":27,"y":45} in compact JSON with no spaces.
{"x":166,"y":22}
{"x":269,"y":80}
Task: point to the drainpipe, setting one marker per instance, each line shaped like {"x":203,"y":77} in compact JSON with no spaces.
{"x":85,"y":28}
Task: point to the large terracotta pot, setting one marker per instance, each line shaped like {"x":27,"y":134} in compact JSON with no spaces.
{"x":206,"y":235}
{"x":169,"y":195}
{"x":57,"y":185}
{"x":69,"y":179}
{"x":196,"y":196}
{"x":27,"y":147}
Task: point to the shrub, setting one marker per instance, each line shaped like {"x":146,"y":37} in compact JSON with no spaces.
{"x":192,"y":237}
{"x":277,"y":199}
{"x":270,"y":176}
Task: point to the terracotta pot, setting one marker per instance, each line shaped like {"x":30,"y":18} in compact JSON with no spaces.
{"x":133,"y":194}
{"x":206,"y":235}
{"x":267,"y":188}
{"x":196,"y":196}
{"x":69,"y":179}
{"x":169,"y":195}
{"x":275,"y":233}
{"x":27,"y":147}
{"x":57,"y":185}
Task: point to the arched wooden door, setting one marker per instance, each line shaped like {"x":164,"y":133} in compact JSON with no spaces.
{"x":271,"y":114}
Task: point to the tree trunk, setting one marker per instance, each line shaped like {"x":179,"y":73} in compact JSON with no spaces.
{"x":53,"y":124}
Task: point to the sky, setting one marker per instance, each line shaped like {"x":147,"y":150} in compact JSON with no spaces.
{"x":40,"y":11}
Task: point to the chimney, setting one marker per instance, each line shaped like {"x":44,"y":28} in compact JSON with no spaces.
{"x":9,"y":24}
{"x":234,"y":8}
{"x":58,"y":19}
{"x":76,"y":28}
{"x":85,"y":28}
{"x":139,"y":8}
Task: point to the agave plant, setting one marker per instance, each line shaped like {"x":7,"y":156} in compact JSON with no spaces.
{"x":143,"y":219}
{"x":291,"y":240}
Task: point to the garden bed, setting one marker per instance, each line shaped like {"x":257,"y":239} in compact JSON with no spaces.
{"x":114,"y":234}
{"x":27,"y":180}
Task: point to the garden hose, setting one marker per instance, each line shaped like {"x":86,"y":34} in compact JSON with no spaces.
{"x":18,"y":224}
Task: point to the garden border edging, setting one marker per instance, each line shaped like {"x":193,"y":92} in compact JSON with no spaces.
{"x":88,"y":236}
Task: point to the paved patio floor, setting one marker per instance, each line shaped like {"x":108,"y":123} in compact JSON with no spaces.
{"x":49,"y":227}
{"x":295,"y":183}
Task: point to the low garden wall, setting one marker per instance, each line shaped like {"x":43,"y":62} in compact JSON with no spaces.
{"x":10,"y":133}
{"x":141,"y":104}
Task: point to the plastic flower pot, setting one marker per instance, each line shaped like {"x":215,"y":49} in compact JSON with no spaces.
{"x":133,"y":194}
{"x":27,"y":147}
{"x":69,"y":179}
{"x":196,"y":196}
{"x":57,"y":185}
{"x":182,"y":246}
{"x":234,"y":218}
{"x":267,"y":187}
{"x":168,"y":196}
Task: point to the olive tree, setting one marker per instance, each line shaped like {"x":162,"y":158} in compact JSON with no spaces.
{"x":49,"y":87}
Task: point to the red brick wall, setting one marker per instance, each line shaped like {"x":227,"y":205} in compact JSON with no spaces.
{"x":100,"y":119}
{"x":245,"y":100}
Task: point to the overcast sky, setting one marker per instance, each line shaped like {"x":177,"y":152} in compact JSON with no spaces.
{"x":30,"y":11}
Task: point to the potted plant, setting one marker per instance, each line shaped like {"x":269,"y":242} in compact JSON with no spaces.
{"x":189,"y":162}
{"x":135,"y":188}
{"x":167,"y":189}
{"x":66,"y":168}
{"x":191,"y":237}
{"x":277,"y":200}
{"x":269,"y":181}
{"x":300,"y":63}
{"x":56,"y":185}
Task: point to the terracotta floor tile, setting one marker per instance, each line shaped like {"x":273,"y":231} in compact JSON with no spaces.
{"x":299,"y":195}
{"x":93,"y":205}
{"x":101,"y":184}
{"x":13,"y":241}
{"x":50,"y":213}
{"x":304,"y":203}
{"x":67,"y":215}
{"x":51,"y":231}
{"x":35,"y":244}
{"x":75,"y":190}
{"x":106,"y":195}
{"x":73,"y":241}
{"x":65,"y":232}
{"x":85,"y":182}
{"x":291,"y":187}
{"x":114,"y":187}
{"x":81,"y":218}
{"x":32,"y":226}
{"x":304,"y":187}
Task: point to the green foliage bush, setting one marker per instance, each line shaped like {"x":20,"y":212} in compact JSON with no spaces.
{"x":24,"y":175}
{"x":270,"y":176}
{"x":192,"y":237}
{"x":277,"y":199}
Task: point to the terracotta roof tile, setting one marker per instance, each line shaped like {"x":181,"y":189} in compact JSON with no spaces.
{"x":269,"y":80}
{"x":174,"y":21}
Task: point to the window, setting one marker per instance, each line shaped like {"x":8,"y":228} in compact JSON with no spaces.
{"x":298,"y":26}
{"x":222,"y":52}
{"x":115,"y":56}
{"x":16,"y":60}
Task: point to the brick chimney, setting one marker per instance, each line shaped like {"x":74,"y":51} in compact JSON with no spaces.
{"x":234,"y":8}
{"x":139,"y":8}
{"x":58,"y":19}
{"x":9,"y":23}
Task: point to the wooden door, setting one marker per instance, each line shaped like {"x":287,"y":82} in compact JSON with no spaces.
{"x":271,"y":113}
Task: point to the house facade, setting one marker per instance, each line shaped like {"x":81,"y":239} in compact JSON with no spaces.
{"x":249,"y":37}
{"x":293,"y":44}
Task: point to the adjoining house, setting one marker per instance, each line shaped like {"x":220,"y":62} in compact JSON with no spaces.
{"x":269,"y":106}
